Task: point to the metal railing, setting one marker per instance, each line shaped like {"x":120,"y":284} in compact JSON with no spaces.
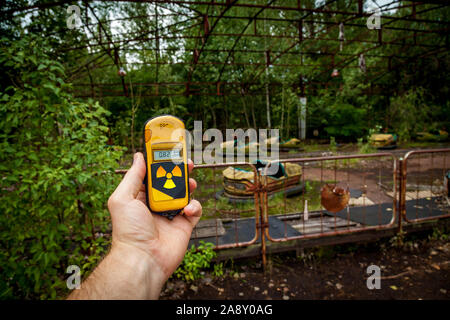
{"x":426,"y":197}
{"x":388,"y":192}
{"x":225,"y":209}
{"x":337,"y":170}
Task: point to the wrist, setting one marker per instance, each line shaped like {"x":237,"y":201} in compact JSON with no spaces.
{"x":138,"y":271}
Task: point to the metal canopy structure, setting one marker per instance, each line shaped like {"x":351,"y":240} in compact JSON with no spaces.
{"x":237,"y":44}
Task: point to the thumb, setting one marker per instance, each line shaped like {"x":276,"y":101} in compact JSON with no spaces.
{"x":131,"y":183}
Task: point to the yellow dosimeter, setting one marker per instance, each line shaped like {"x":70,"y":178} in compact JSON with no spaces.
{"x":167,"y":179}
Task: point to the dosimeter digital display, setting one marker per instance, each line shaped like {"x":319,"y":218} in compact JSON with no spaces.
{"x":167,"y":178}
{"x":162,"y":155}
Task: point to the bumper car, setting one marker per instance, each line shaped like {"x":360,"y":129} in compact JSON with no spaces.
{"x":286,"y":145}
{"x":383,"y":140}
{"x":291,"y":143}
{"x":239,"y":183}
{"x":432,"y":136}
{"x":235,"y":148}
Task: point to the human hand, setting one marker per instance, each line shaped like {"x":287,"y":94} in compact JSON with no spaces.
{"x":135,"y":230}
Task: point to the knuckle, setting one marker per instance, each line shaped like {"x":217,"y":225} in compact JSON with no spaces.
{"x":198,"y":208}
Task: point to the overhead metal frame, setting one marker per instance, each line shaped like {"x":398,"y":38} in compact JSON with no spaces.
{"x":208,"y":16}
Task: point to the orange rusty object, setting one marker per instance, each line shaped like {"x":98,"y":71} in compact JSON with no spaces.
{"x":334,"y":198}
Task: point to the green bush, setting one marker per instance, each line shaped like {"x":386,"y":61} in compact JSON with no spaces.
{"x":365,"y":148}
{"x":333,"y":145}
{"x":345,"y":120}
{"x":195,"y":260}
{"x":409,"y":113}
{"x":56,"y":173}
{"x":218,"y":270}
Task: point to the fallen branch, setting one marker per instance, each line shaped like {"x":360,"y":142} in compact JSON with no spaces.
{"x":410,"y":272}
{"x":398,"y":275}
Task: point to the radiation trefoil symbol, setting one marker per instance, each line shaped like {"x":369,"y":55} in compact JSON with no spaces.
{"x":169,"y":184}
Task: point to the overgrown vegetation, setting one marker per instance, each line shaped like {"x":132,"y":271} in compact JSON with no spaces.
{"x":414,"y":112}
{"x":56,"y":174}
{"x":196,"y":261}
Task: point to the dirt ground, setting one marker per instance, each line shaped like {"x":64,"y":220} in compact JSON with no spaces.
{"x":420,"y":269}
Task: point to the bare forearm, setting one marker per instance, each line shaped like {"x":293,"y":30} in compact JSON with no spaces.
{"x":125,"y":273}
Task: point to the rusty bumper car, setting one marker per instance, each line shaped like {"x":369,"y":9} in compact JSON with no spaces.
{"x":383,"y":141}
{"x":239,"y":184}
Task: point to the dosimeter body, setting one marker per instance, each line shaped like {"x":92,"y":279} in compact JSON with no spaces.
{"x":167,"y":178}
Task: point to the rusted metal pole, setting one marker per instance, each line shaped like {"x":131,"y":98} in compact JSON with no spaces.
{"x":262,"y":216}
{"x":263,"y":236}
{"x":402,"y":193}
